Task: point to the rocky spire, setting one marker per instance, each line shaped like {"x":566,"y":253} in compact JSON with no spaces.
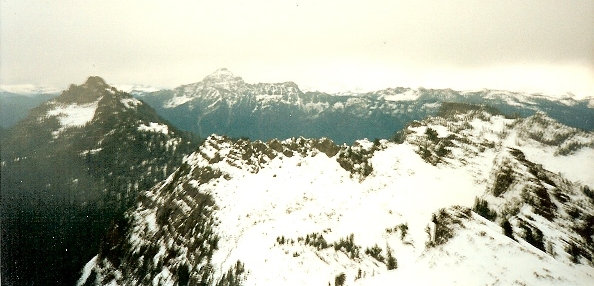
{"x":93,"y":89}
{"x":95,"y":81}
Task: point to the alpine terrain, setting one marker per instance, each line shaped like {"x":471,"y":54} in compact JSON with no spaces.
{"x":465,"y":197}
{"x":70,"y":169}
{"x":223,"y":103}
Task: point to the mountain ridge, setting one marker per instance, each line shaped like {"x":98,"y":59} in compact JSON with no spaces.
{"x":451,"y":193}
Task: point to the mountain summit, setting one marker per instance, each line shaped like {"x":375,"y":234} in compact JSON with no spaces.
{"x":92,"y":90}
{"x":223,"y":78}
{"x":95,"y":81}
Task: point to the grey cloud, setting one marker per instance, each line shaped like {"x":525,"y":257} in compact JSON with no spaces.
{"x":58,"y":42}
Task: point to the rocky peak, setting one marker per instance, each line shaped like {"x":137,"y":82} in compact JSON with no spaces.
{"x":95,"y":81}
{"x":223,"y":78}
{"x":93,"y":89}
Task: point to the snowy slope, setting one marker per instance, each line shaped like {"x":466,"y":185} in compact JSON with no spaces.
{"x":73,"y":115}
{"x":486,"y":257}
{"x":308,"y":212}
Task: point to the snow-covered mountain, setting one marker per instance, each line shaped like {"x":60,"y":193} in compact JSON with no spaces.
{"x":16,"y":101}
{"x":469,"y":197}
{"x":223,"y":103}
{"x":76,"y":163}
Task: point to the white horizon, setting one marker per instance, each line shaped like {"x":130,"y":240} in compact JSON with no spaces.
{"x":335,"y":86}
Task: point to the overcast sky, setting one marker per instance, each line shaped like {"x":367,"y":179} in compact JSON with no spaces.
{"x":530,"y":45}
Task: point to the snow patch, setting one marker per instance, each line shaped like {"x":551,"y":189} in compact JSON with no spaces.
{"x":130,"y":102}
{"x":154,"y":127}
{"x":177,"y":101}
{"x":408,"y":95}
{"x":151,"y":222}
{"x":91,"y":151}
{"x":338,"y":105}
{"x":364,"y":143}
{"x":568,"y":101}
{"x":73,"y":115}
{"x":86,"y":272}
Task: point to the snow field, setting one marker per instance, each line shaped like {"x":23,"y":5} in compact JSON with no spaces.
{"x":73,"y":115}
{"x":293,"y":197}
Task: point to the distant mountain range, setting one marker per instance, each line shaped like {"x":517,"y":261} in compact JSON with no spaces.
{"x":71,"y":168}
{"x":223,"y":103}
